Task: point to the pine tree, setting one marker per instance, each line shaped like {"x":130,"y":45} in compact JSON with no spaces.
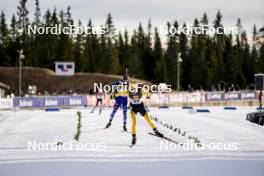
{"x":93,"y":55}
{"x":230,"y":60}
{"x":108,"y":48}
{"x":13,"y":28}
{"x":147,"y":54}
{"x":3,"y":40}
{"x":261,"y":49}
{"x":68,"y":14}
{"x":34,"y":44}
{"x":204,"y":20}
{"x":248,"y":66}
{"x":186,"y":64}
{"x":238,"y":48}
{"x":197,"y":56}
{"x":171,"y":57}
{"x":65,"y":43}
{"x":122,"y":51}
{"x":212,"y":64}
{"x":78,"y":51}
{"x":254,"y":52}
{"x":140,"y":42}
{"x":110,"y":28}
{"x":3,"y":29}
{"x":134,"y":60}
{"x":47,"y":55}
{"x":13,"y":44}
{"x":37,"y":14}
{"x":209,"y":60}
{"x":159,"y":67}
{"x":23,"y":20}
{"x":219,"y":46}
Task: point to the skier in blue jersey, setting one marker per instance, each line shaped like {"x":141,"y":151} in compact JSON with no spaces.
{"x":121,"y":99}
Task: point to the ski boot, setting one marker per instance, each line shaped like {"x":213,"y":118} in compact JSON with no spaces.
{"x":108,"y":125}
{"x":124,"y":127}
{"x":134,"y":139}
{"x":158,"y":133}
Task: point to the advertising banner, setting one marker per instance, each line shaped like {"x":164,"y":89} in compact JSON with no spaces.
{"x":64,"y":68}
{"x":75,"y":101}
{"x":214,"y":96}
{"x":232,"y":96}
{"x":25,"y":102}
{"x":249,"y":95}
{"x":40,"y":102}
{"x":90,"y":100}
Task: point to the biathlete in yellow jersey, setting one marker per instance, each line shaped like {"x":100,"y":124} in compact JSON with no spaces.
{"x":136,"y":94}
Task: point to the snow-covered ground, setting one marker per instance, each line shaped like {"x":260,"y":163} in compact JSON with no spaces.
{"x":107,"y":151}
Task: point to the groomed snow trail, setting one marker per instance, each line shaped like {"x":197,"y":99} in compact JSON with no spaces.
{"x":17,"y":128}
